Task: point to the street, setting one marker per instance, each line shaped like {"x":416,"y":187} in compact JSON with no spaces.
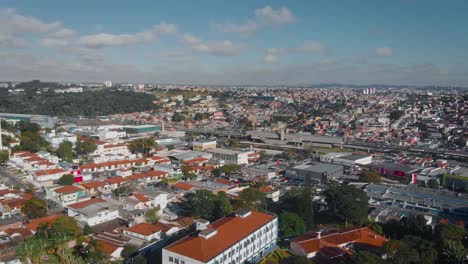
{"x":9,"y":178}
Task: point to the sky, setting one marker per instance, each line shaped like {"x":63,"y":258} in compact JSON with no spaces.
{"x":403,"y":42}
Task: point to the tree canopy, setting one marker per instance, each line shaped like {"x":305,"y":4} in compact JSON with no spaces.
{"x":34,"y":208}
{"x":84,"y":147}
{"x":347,"y":203}
{"x":291,"y":224}
{"x":206,"y":205}
{"x":66,"y":179}
{"x":142,"y":145}
{"x":65,"y":151}
{"x":370,"y":176}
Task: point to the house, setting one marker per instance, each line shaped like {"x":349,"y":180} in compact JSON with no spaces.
{"x":230,"y":156}
{"x":47,"y":177}
{"x":65,"y":195}
{"x":96,"y":187}
{"x":93,"y":211}
{"x":145,"y":231}
{"x":336,"y":245}
{"x":270,"y":193}
{"x":109,"y":249}
{"x":245,"y":236}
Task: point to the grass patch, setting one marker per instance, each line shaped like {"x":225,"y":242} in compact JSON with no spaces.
{"x":275,"y":256}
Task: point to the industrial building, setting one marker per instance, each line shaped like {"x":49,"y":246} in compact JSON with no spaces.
{"x":316,"y":172}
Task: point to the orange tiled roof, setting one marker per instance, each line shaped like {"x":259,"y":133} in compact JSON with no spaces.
{"x":183,"y":186}
{"x":7,"y":191}
{"x":106,"y":247}
{"x":195,"y":160}
{"x":49,"y":172}
{"x":363,"y":235}
{"x":22,"y":231}
{"x":141,"y":197}
{"x":35,"y":223}
{"x":93,"y":184}
{"x":228,"y":233}
{"x":145,"y":229}
{"x":118,"y":179}
{"x":82,"y":204}
{"x":223,"y":181}
{"x":266,"y":189}
{"x":67,"y":189}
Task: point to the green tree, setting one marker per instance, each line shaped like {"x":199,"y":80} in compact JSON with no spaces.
{"x":128,"y":251}
{"x":151,"y":215}
{"x":448,"y":232}
{"x":67,"y":226}
{"x":187,"y":173}
{"x":370,"y":176}
{"x":291,"y":224}
{"x":223,"y":205}
{"x":87,"y":230}
{"x":229,"y":168}
{"x":306,"y":205}
{"x":365,"y":257}
{"x":347,"y":203}
{"x":142,"y":145}
{"x":376,"y":227}
{"x":202,"y":204}
{"x":66,"y":179}
{"x":84,"y":147}
{"x":453,"y":253}
{"x":396,"y":114}
{"x":295,"y":260}
{"x":34,"y":208}
{"x":251,"y":198}
{"x":65,"y":151}
{"x":4,"y":156}
{"x":433,"y":184}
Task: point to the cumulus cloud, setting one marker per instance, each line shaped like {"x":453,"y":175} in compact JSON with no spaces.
{"x":62,"y":33}
{"x":264,"y":17}
{"x":13,"y":28}
{"x":217,"y":48}
{"x":53,"y":42}
{"x":384,"y":52}
{"x":104,"y":39}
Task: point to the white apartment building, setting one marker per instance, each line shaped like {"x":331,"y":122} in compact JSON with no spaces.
{"x":64,"y":195}
{"x":56,"y":139}
{"x":93,"y":212}
{"x":245,"y":236}
{"x":230,"y":156}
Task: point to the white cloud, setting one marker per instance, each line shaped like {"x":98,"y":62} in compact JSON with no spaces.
{"x":271,"y":56}
{"x":384,"y":52}
{"x":264,"y":17}
{"x":268,"y":15}
{"x":62,"y":33}
{"x":105,"y":39}
{"x":13,"y":27}
{"x":165,"y":28}
{"x":54,"y":42}
{"x":217,"y":48}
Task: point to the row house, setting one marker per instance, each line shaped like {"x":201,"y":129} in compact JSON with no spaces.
{"x":48,"y":177}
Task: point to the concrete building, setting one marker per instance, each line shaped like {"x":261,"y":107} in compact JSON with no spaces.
{"x":353,"y":160}
{"x":203,"y":145}
{"x":316,"y":172}
{"x":245,"y":236}
{"x":55,"y":139}
{"x":42,"y":120}
{"x":65,"y":195}
{"x":93,"y":211}
{"x":230,"y":156}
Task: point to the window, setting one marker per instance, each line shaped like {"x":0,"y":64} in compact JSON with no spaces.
{"x":176,"y":261}
{"x":171,"y":259}
{"x":182,"y":262}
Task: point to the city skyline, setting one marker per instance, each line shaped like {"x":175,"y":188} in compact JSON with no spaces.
{"x":408,"y":42}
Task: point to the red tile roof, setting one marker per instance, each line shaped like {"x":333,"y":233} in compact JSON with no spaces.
{"x":106,"y":247}
{"x":141,"y":197}
{"x":114,"y":180}
{"x":93,"y":184}
{"x":24,"y":232}
{"x":363,"y":235}
{"x":82,"y":204}
{"x":195,"y":160}
{"x":7,"y":191}
{"x":183,"y":186}
{"x":35,"y":223}
{"x":49,"y":172}
{"x":145,"y":229}
{"x":67,"y":189}
{"x":266,"y":189}
{"x":228,"y":233}
{"x":223,"y":181}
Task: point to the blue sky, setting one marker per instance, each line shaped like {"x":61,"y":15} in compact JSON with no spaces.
{"x":420,"y":42}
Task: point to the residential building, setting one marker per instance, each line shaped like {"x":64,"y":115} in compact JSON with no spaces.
{"x":94,"y":211}
{"x":336,"y":245}
{"x":245,"y":236}
{"x":65,"y":195}
{"x":230,"y":156}
{"x":145,"y":231}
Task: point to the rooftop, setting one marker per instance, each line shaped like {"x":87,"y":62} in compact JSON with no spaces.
{"x":230,"y":230}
